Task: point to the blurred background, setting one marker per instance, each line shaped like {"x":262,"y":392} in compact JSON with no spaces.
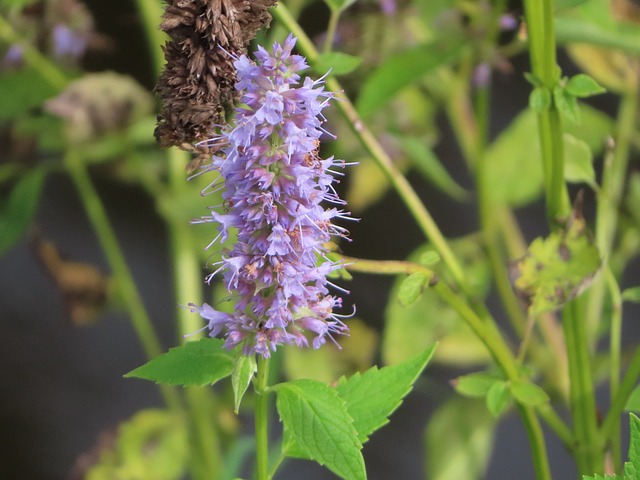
{"x":66,"y":345}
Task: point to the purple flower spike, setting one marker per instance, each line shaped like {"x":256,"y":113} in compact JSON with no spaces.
{"x":275,"y":183}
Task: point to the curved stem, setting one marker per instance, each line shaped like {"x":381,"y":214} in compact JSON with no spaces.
{"x":615,"y":342}
{"x":618,"y":403}
{"x":331,"y":30}
{"x":262,"y":419}
{"x":151,"y":14}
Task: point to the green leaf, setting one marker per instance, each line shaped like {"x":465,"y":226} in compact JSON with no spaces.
{"x":498,"y":397}
{"x":578,"y":165}
{"x":19,"y":209}
{"x":633,"y":402}
{"x":582,"y":86}
{"x":475,"y":384}
{"x":28,"y":90}
{"x":558,"y":268}
{"x":316,"y":422}
{"x":200,"y":362}
{"x":400,"y":71}
{"x":152,"y":445}
{"x":528,"y":393}
{"x":376,"y":394}
{"x":540,"y":99}
{"x":427,"y":163}
{"x":339,"y":5}
{"x":602,"y":477}
{"x":566,"y":104}
{"x":412,"y":287}
{"x":244,"y":367}
{"x":559,"y":4}
{"x":633,"y":465}
{"x":337,"y":62}
{"x":459,"y":441}
{"x":533,"y":79}
{"x":429,"y":258}
{"x":631,"y":295}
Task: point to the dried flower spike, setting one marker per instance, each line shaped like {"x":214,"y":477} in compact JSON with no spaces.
{"x":274,"y":184}
{"x":197,"y":84}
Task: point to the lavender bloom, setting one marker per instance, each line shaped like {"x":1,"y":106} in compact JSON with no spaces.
{"x":274,"y":184}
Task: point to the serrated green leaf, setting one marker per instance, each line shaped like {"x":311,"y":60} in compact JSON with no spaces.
{"x":412,"y":287}
{"x":373,"y":396}
{"x":427,"y":163}
{"x":400,"y":71}
{"x":459,"y":441}
{"x":556,"y":269}
{"x":631,"y":295}
{"x":528,"y":393}
{"x":582,"y":86}
{"x":566,"y":104}
{"x":152,"y":445}
{"x":540,"y":99}
{"x":578,"y":165}
{"x":475,"y":384}
{"x":337,"y":63}
{"x":316,"y":422}
{"x":602,"y":477}
{"x":498,"y":397}
{"x":200,"y":362}
{"x":244,"y":367}
{"x":19,"y":209}
{"x":634,"y":447}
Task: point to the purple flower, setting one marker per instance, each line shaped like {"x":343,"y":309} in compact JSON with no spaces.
{"x":275,"y":183}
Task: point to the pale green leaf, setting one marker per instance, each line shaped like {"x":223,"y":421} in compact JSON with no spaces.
{"x":412,"y":288}
{"x":498,"y":397}
{"x":528,"y":393}
{"x":566,"y":104}
{"x":244,"y":367}
{"x":540,"y":99}
{"x":634,"y":447}
{"x":582,"y":86}
{"x":373,"y":396}
{"x":459,"y":441}
{"x":339,"y":5}
{"x":475,"y":384}
{"x":28,"y":89}
{"x":631,"y":295}
{"x":337,"y":63}
{"x":633,"y":402}
{"x":316,"y":422}
{"x":199,"y":362}
{"x":578,"y":164}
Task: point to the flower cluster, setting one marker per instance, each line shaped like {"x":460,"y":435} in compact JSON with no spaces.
{"x":274,"y":184}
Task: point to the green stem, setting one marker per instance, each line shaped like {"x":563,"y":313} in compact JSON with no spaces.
{"x":612,"y":419}
{"x":370,"y":143}
{"x":151,"y":14}
{"x":615,"y":342}
{"x":540,"y":25}
{"x":588,"y":451}
{"x":262,"y":419}
{"x":111,"y":248}
{"x":33,"y":57}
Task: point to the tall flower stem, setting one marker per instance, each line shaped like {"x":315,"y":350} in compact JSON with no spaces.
{"x":262,"y":419}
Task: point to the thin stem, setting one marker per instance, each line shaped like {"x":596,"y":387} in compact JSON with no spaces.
{"x":618,"y":403}
{"x":615,"y":342}
{"x":151,"y":14}
{"x":588,"y":451}
{"x":262,"y":419}
{"x":111,"y":248}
